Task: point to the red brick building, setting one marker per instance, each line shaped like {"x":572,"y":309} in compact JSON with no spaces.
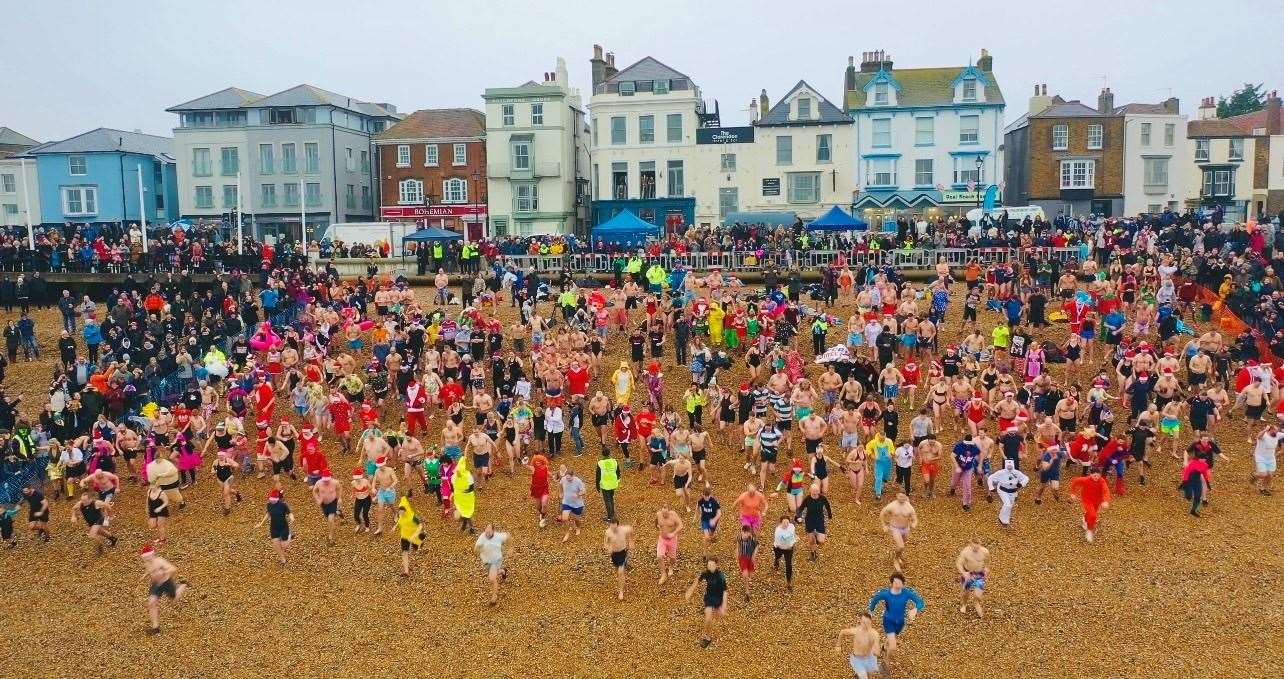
{"x":432,"y":170}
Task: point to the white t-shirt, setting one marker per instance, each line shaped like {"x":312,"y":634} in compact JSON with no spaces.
{"x":491,"y":549}
{"x":1267,"y":444}
{"x":786,"y":536}
{"x":905,"y":455}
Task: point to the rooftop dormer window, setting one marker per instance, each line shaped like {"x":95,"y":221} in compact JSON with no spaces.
{"x":628,"y":88}
{"x":662,"y":87}
{"x":804,"y":108}
{"x":282,"y":116}
{"x":969,"y":89}
{"x":880,"y":94}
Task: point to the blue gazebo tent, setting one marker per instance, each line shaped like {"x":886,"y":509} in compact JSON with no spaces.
{"x":431,"y":234}
{"x":837,"y":219}
{"x":625,"y":228}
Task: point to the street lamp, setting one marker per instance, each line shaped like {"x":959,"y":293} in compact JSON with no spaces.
{"x":980,"y":166}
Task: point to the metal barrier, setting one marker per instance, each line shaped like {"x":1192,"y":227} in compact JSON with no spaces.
{"x":16,"y":476}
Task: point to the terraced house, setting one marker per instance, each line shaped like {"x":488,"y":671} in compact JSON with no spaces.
{"x":926,"y":139}
{"x":303,"y":153}
{"x":432,"y":170}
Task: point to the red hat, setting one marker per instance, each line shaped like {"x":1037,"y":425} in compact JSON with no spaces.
{"x":744,"y":386}
{"x":274,"y":495}
{"x":1252,"y":363}
{"x":147,"y":550}
{"x":358,"y":472}
{"x":381,"y":460}
{"x":325,"y":474}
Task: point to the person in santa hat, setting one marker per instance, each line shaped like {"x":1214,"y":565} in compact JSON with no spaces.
{"x":625,"y":431}
{"x":280,"y":519}
{"x":160,"y":574}
{"x":416,"y":401}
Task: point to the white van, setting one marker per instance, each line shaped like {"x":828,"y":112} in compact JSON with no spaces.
{"x":371,"y":233}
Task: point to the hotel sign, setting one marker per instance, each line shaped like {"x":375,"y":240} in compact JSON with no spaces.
{"x":724,"y":135}
{"x":416,"y":211}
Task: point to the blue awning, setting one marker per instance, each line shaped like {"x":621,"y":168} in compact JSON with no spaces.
{"x":899,"y":199}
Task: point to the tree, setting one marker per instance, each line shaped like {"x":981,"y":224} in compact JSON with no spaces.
{"x":1247,"y":99}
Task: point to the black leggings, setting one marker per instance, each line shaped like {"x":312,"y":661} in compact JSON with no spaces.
{"x":695,"y":417}
{"x":789,"y":562}
{"x":903,"y":477}
{"x":554,"y":443}
{"x":361,"y":511}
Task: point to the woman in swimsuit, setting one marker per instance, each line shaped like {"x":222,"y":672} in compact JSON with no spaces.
{"x":854,"y":465}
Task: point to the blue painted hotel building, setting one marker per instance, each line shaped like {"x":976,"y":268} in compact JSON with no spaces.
{"x":93,"y":178}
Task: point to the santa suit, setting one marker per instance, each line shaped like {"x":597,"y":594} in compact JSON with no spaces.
{"x":1006,"y":482}
{"x":416,"y":400}
{"x":578,"y":379}
{"x":265,"y":397}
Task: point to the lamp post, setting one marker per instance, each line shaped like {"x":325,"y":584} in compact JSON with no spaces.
{"x":980,"y":166}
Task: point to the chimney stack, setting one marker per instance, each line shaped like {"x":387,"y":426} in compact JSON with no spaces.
{"x":1172,"y":105}
{"x":1040,"y":101}
{"x":870,"y":61}
{"x":986,"y":62}
{"x":1273,"y":121}
{"x":753,"y":111}
{"x":849,"y":76}
{"x":1106,"y":101}
{"x":1207,"y":108}
{"x":597,"y":66}
{"x":763,"y":105}
{"x":611,"y":70}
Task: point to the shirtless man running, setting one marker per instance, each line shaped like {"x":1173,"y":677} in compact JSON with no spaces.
{"x":973,"y":565}
{"x":668,"y":524}
{"x":617,"y":542}
{"x":865,"y":644}
{"x":326,"y":493}
{"x":159,"y":574}
{"x":897,"y":519}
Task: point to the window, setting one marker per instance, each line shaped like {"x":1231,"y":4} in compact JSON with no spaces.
{"x":268,"y":195}
{"x":880,"y":172}
{"x":728,"y":163}
{"x":76,"y":166}
{"x":674,"y":124}
{"x":521,"y":155}
{"x":289,"y":162}
{"x":10,"y":213}
{"x":527,"y":198}
{"x":1156,"y":173}
{"x":824,"y":148}
{"x":350,"y":198}
{"x":804,"y":108}
{"x":267,"y":161}
{"x":430,"y":155}
{"x":1078,"y":174}
{"x":1218,"y":182}
{"x":677,"y":178}
{"x":7,"y":183}
{"x":1201,"y":150}
{"x":201,"y":166}
{"x":646,"y":129}
{"x":281,"y":116}
{"x":965,"y":170}
{"x":365,"y":162}
{"x":80,"y":200}
{"x":646,"y":179}
{"x":506,"y":112}
{"x":1145,"y":134}
{"x":205,"y":197}
{"x":1060,"y":137}
{"x":311,"y":158}
{"x":1095,"y":134}
{"x":924,"y":131}
{"x":229,"y":196}
{"x":728,"y":201}
{"x":229,"y":161}
{"x":661,"y":87}
{"x":803,"y":187}
{"x":291,"y":195}
{"x":969,"y":129}
{"x":619,"y":131}
{"x":365,"y":197}
{"x":350,"y":162}
{"x":1154,"y":208}
{"x":880,"y":94}
{"x":410,"y":192}
{"x":1170,"y":131}
{"x":1236,"y":151}
{"x":620,"y":180}
{"x":313,"y":194}
{"x":923,"y":172}
{"x":784,"y":150}
{"x":882,"y":132}
{"x":628,"y":88}
{"x":461,"y":155}
{"x":454,"y":190}
{"x":969,"y":89}
{"x":537,"y":114}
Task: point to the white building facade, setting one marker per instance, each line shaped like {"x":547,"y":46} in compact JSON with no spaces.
{"x":926,"y":139}
{"x":1219,"y":164}
{"x":644,"y":127}
{"x":537,"y":157}
{"x":1155,"y":162}
{"x":797,"y":158}
{"x":19,"y":192}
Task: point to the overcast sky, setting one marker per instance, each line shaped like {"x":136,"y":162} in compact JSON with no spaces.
{"x":70,"y":66}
